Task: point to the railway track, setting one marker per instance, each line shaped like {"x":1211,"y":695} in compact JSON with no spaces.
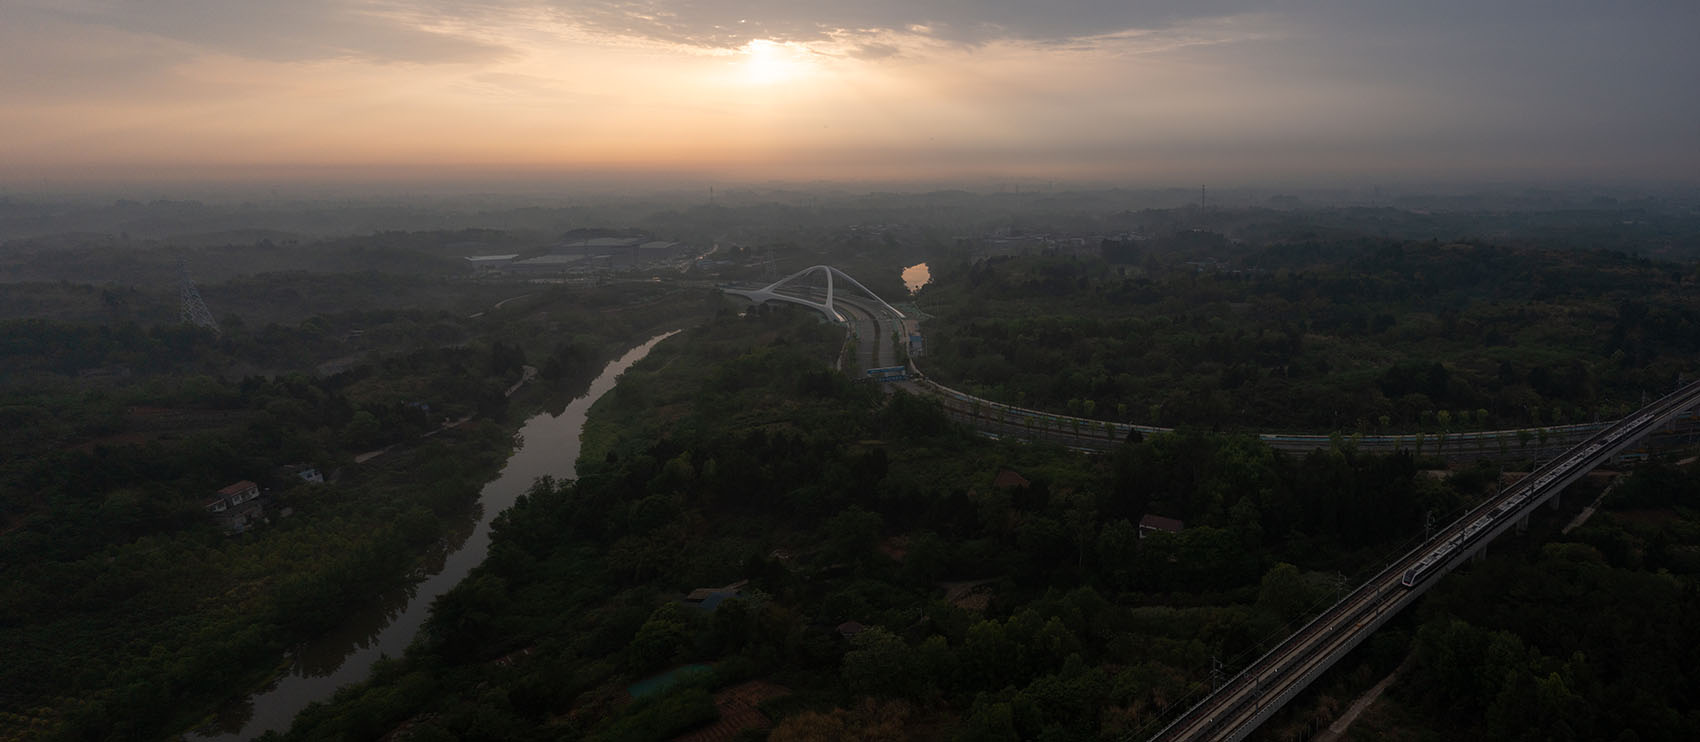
{"x":1235,"y":709}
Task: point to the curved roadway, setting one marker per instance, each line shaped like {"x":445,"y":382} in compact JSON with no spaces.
{"x":1234,"y":711}
{"x":1086,"y":433}
{"x":872,"y":327}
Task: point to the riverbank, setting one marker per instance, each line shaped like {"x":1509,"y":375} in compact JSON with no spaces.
{"x":544,"y":443}
{"x":128,"y":612}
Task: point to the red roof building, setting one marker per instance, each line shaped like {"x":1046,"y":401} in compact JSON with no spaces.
{"x":236,"y":506}
{"x":1150,"y":523}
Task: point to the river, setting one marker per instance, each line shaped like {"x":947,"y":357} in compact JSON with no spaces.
{"x":549,"y":447}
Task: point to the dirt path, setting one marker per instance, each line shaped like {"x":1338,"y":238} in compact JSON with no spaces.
{"x":529,"y":373}
{"x":1588,"y":512}
{"x":1338,"y":729}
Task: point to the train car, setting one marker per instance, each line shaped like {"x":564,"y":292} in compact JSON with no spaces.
{"x":1425,"y":567}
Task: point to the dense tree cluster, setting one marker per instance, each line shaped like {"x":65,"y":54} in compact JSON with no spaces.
{"x":114,"y":570}
{"x":1365,"y":335}
{"x":737,"y":456}
{"x":1586,"y":636}
{"x":125,"y":610}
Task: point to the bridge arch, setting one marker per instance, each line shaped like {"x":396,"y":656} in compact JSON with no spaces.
{"x":771,"y":292}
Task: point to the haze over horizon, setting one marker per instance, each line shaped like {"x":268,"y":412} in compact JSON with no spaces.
{"x":103,"y":91}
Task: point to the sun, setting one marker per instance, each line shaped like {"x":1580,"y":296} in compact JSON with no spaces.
{"x":768,"y":62}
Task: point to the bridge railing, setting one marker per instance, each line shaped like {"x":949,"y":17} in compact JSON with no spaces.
{"x":1467,"y":443}
{"x":773,"y":291}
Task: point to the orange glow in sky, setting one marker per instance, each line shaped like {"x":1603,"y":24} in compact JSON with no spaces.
{"x":884,"y":89}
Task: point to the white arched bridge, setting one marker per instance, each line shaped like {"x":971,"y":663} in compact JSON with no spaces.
{"x":795,"y":285}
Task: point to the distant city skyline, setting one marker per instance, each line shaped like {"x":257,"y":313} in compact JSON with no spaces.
{"x":1219,"y":91}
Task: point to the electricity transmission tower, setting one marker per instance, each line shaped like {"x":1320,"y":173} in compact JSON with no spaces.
{"x":194,"y":309}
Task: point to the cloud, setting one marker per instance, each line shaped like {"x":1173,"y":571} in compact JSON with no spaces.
{"x":731,"y":23}
{"x":45,"y":60}
{"x":727,"y":24}
{"x":1214,"y":84}
{"x":287,"y":30}
{"x":875,"y":51}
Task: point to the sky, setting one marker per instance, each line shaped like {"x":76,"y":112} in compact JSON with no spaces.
{"x":1119,"y":91}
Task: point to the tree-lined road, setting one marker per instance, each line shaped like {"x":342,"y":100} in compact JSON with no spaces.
{"x":872,"y":318}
